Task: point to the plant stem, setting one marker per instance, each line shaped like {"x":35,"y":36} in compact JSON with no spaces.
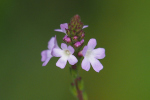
{"x":79,"y":92}
{"x":77,"y":84}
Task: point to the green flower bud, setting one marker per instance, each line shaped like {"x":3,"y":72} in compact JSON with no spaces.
{"x":68,"y":32}
{"x":73,"y":33}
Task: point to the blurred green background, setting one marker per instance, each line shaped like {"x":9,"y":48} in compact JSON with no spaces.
{"x":122,"y":27}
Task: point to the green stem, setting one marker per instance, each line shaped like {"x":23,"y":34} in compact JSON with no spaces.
{"x":79,"y":92}
{"x":77,"y":83}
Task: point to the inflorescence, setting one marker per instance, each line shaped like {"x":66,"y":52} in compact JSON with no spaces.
{"x":73,"y":49}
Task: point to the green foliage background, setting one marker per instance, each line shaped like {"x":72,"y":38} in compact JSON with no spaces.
{"x":122,"y":27}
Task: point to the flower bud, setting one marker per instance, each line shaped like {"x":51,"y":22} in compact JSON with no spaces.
{"x":78,"y":28}
{"x":73,"y":27}
{"x":81,"y":24}
{"x":82,"y":35}
{"x":68,"y":32}
{"x":82,"y":41}
{"x":77,"y":44}
{"x":80,"y":54}
{"x":73,"y":33}
{"x":69,"y":25}
{"x":67,"y":39}
{"x":77,"y":17}
{"x":75,"y":21}
{"x":74,"y":39}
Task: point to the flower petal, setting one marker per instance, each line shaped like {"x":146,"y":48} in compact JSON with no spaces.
{"x":55,"y":43}
{"x":85,"y":64}
{"x":57,"y":52}
{"x":99,"y":53}
{"x":97,"y":66}
{"x":44,"y":55}
{"x":91,"y":44}
{"x":61,"y":62}
{"x":63,"y":46}
{"x":64,"y":27}
{"x":72,"y":60}
{"x":51,"y":43}
{"x":71,"y":49}
{"x":85,"y":26}
{"x":84,"y":50}
{"x":46,"y":61}
{"x":58,"y":30}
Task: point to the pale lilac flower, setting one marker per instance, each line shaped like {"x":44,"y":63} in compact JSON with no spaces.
{"x":85,"y":26}
{"x":92,"y":55}
{"x":65,"y":55}
{"x":64,"y":26}
{"x":46,"y":54}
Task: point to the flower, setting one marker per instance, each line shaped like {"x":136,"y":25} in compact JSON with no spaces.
{"x":65,"y":55}
{"x":92,"y":55}
{"x":46,"y":54}
{"x":64,"y":26}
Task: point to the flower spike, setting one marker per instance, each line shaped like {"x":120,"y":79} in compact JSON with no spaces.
{"x":71,"y":51}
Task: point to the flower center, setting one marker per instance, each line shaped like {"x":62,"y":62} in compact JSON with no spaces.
{"x":88,"y":53}
{"x":67,"y":52}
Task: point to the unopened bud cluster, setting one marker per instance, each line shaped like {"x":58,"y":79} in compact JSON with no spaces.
{"x":75,"y":32}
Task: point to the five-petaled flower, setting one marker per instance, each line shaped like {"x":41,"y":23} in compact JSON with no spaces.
{"x":46,"y":54}
{"x":64,"y":26}
{"x":91,"y":55}
{"x":65,"y":55}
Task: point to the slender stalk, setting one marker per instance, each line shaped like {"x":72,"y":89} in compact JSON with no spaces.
{"x":77,"y":83}
{"x":79,"y":92}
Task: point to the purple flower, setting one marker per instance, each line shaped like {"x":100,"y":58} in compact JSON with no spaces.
{"x":46,"y":54}
{"x":92,"y":55}
{"x":64,"y":26}
{"x":65,"y":55}
{"x":85,"y":26}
